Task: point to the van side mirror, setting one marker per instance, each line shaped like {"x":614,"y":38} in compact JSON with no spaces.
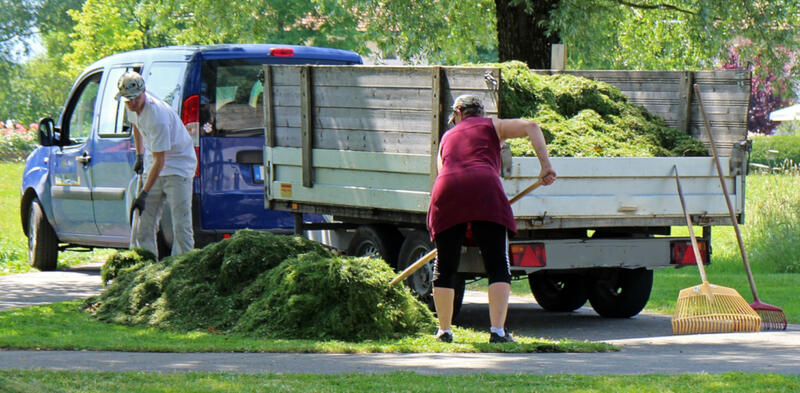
{"x":47,"y":134}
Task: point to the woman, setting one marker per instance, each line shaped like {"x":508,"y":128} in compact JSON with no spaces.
{"x":468,"y":191}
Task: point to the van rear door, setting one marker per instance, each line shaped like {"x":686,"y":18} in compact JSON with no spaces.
{"x":231,"y":142}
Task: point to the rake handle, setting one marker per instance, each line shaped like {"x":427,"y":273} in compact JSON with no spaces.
{"x":430,"y":255}
{"x":695,"y":247}
{"x":725,"y":193}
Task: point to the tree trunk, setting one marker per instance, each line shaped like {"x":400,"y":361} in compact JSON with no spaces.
{"x":522,"y":36}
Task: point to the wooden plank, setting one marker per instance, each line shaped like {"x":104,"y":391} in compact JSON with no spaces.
{"x":269,"y":113}
{"x":558,"y":57}
{"x":377,"y":180}
{"x":465,"y":78}
{"x":372,"y":77}
{"x":364,"y":198}
{"x":307,"y":125}
{"x":373,"y":98}
{"x":437,"y":120}
{"x":368,"y":161}
{"x":285,"y":75}
{"x":357,"y":140}
{"x":684,"y":111}
{"x":360,"y":119}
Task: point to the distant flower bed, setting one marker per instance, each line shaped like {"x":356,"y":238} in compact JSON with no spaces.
{"x":17,"y":141}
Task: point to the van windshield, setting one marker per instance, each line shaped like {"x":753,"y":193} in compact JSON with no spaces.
{"x":231,"y":98}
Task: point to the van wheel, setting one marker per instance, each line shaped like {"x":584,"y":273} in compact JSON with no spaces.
{"x":380,"y":241}
{"x":562,"y":292}
{"x":620,"y":293}
{"x":42,"y":240}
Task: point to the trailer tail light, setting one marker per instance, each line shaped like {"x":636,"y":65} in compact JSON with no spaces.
{"x":528,"y":255}
{"x":190,"y":115}
{"x":281,"y":52}
{"x":683,"y":254}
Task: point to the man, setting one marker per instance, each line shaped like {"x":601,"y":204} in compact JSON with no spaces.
{"x":169,"y":165}
{"x":467,"y":193}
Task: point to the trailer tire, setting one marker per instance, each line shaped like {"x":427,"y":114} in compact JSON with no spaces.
{"x":417,"y":244}
{"x":619,"y":292}
{"x":555,"y":291}
{"x":383,"y":241}
{"x":42,"y":240}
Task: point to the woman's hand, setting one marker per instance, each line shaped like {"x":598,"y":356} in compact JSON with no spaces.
{"x":547,"y":175}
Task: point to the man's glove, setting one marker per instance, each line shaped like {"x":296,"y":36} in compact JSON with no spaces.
{"x":138,"y":203}
{"x":138,"y":166}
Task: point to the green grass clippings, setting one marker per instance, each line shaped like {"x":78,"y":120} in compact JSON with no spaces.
{"x":260,"y":284}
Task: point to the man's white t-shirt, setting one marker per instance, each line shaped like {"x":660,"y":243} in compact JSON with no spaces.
{"x":163,"y":130}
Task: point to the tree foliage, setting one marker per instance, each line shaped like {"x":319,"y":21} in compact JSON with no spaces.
{"x":599,"y":34}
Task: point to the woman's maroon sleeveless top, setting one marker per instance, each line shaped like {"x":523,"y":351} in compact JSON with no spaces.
{"x":468,"y":187}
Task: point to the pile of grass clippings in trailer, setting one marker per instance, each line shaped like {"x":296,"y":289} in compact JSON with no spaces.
{"x":581,"y":117}
{"x":260,"y":284}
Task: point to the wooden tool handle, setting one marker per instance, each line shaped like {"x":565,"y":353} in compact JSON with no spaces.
{"x":734,"y":222}
{"x":414,"y":267}
{"x":696,"y":249}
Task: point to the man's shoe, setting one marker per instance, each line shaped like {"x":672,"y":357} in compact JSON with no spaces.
{"x":445,"y":337}
{"x":495,"y":338}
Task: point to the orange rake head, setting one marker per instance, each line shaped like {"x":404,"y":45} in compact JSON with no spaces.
{"x":708,"y":308}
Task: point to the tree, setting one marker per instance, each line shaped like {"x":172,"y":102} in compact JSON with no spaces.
{"x":35,"y":87}
{"x":522,"y":32}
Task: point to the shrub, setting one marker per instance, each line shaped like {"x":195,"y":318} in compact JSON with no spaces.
{"x":16,"y":142}
{"x":787,"y":146}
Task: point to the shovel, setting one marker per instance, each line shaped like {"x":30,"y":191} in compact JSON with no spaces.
{"x":432,"y":254}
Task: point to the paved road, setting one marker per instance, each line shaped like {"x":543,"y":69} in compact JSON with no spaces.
{"x":19,"y":290}
{"x":647,"y":345}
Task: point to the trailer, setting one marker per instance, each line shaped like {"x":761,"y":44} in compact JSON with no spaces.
{"x":358,"y":144}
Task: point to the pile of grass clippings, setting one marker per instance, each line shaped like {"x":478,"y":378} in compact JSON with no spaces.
{"x":581,"y":117}
{"x":260,"y":284}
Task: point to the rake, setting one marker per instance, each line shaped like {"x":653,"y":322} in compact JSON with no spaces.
{"x":709,"y":308}
{"x":772,"y":317}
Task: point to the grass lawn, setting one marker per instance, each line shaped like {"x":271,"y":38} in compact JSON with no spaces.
{"x":13,"y":243}
{"x":71,"y":381}
{"x":64,"y":326}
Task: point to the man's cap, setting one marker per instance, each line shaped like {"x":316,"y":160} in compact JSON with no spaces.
{"x":130,"y":85}
{"x":465,"y":101}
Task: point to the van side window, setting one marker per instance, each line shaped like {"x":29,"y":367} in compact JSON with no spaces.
{"x":81,"y":111}
{"x":165,"y":81}
{"x":232,"y":103}
{"x":110,"y":108}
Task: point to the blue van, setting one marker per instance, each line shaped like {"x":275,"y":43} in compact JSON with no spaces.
{"x":78,"y":186}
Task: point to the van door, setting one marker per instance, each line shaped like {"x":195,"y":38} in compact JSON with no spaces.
{"x":113,"y":154}
{"x":114,"y":182}
{"x":231,"y":144}
{"x":70,"y":186}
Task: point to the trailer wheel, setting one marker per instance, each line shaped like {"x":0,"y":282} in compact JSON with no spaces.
{"x":376,"y":240}
{"x":620,"y":293}
{"x":416,"y":245}
{"x":42,"y":240}
{"x":562,"y":292}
